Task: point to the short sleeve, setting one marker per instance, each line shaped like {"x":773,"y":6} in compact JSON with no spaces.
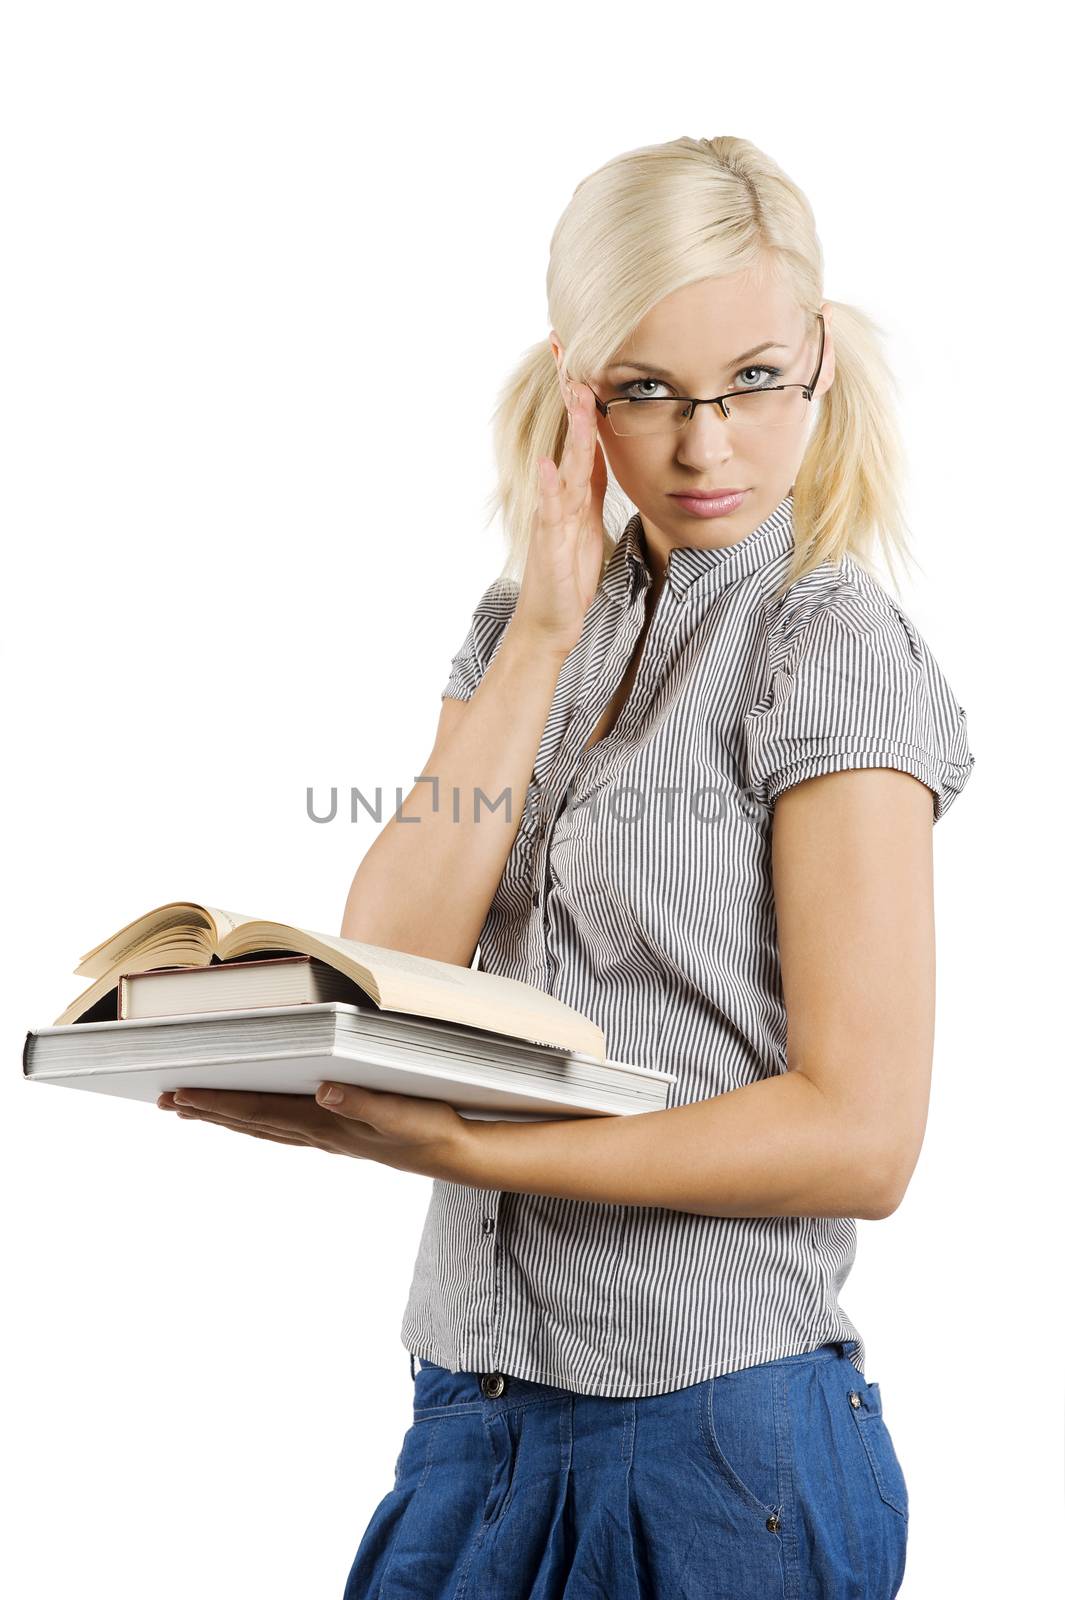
{"x":491,"y":615}
{"x":851,"y":683}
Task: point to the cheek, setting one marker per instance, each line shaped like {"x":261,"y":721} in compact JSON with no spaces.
{"x":636,"y":471}
{"x":618,"y":457}
{"x":633,"y":458}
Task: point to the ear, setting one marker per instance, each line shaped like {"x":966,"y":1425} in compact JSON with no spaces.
{"x":828,"y":361}
{"x":559,"y":354}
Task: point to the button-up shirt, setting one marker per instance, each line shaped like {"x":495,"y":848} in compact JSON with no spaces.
{"x":639,"y":890}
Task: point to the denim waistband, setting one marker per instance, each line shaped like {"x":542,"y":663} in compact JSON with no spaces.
{"x":823,"y":1352}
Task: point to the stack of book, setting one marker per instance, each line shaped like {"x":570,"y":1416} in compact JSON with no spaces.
{"x":189,"y":996}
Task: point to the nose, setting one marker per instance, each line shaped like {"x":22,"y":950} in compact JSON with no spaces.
{"x":705,"y":437}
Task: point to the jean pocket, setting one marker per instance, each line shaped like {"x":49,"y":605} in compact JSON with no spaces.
{"x":739,"y":1415}
{"x":866,"y":1409}
{"x":439,"y":1392}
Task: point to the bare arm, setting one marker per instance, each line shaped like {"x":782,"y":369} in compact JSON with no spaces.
{"x":427,"y":881}
{"x":838,"y":1134}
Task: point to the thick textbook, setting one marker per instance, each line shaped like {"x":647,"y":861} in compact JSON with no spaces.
{"x":231,"y":986}
{"x":291,"y":1049}
{"x":185,"y":934}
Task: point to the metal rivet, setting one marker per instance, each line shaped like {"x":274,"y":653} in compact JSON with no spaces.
{"x":855,"y":1399}
{"x":772,"y":1522}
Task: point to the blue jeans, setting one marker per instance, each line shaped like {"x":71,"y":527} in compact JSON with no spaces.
{"x":776,"y":1482}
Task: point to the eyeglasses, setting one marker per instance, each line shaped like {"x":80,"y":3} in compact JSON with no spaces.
{"x":776,"y":405}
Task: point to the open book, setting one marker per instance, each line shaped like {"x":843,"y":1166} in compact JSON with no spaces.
{"x":183,"y":934}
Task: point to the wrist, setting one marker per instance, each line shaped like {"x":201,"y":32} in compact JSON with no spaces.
{"x":533,"y":649}
{"x":469,"y":1159}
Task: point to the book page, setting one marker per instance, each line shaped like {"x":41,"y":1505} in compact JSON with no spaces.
{"x":226,"y":921}
{"x":184,"y":934}
{"x":192,"y":923}
{"x":482,"y":999}
{"x":420,"y":986}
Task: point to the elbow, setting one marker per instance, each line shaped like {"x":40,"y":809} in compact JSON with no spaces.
{"x":884,"y":1196}
{"x":881,"y":1208}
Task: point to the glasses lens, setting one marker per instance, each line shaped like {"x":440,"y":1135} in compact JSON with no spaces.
{"x":632,"y":417}
{"x":748,"y":408}
{"x":766,"y":408}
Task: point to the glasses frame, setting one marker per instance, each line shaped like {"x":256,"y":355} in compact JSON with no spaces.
{"x":604,"y":406}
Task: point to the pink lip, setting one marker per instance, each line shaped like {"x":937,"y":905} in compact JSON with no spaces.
{"x":705,"y":506}
{"x":705,"y":494}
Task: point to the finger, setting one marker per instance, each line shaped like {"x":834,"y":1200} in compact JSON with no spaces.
{"x":249,"y":1128}
{"x":550,"y":496}
{"x":575,"y":465}
{"x":287,"y":1128}
{"x":377,"y":1113}
{"x":599,"y":477}
{"x":321,"y":1143}
{"x":291,"y":1113}
{"x":253,"y":1133}
{"x":560,"y":495}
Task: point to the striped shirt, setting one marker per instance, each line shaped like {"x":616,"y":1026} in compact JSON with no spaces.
{"x":639,"y":890}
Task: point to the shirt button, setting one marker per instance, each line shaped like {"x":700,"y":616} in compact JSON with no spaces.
{"x":488,"y":1224}
{"x":536,"y":897}
{"x":493,"y":1384}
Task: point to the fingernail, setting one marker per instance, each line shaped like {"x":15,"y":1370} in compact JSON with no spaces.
{"x":331,"y":1096}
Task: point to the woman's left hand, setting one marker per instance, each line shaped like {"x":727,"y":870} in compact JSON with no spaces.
{"x":399,"y":1130}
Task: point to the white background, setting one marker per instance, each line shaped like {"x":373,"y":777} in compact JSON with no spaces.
{"x":236,"y":238}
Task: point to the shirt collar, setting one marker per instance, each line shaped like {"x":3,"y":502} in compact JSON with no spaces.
{"x":688,"y":565}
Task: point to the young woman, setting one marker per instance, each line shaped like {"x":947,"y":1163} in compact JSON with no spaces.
{"x":727,"y":746}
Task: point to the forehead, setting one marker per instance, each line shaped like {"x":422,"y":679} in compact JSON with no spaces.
{"x":706,"y":324}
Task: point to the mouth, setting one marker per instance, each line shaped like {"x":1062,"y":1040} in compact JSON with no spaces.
{"x":705,"y":494}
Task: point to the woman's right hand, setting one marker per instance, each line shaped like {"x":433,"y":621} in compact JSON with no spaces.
{"x":565,"y":555}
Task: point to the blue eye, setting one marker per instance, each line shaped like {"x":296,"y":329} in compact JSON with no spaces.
{"x":770,"y":376}
{"x":654,"y":382}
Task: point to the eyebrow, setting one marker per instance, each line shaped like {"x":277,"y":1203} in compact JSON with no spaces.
{"x":642,"y":366}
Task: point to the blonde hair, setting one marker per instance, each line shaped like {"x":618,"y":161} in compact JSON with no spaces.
{"x":647,"y":223}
